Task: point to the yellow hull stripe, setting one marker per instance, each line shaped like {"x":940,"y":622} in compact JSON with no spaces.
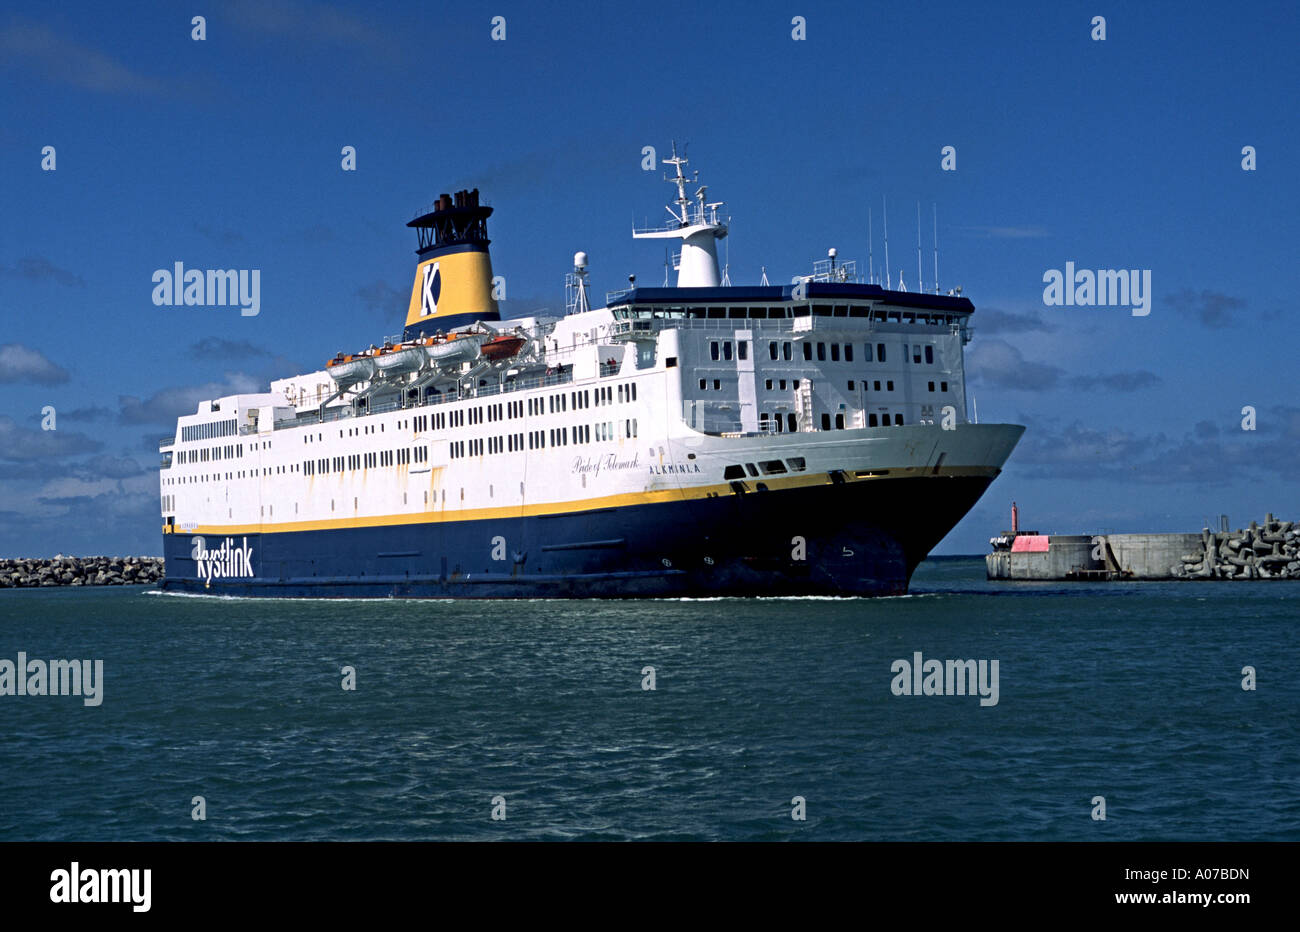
{"x":442,"y":513}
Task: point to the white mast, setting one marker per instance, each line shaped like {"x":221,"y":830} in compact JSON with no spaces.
{"x":920,"y":284}
{"x":871,"y":260}
{"x":936,"y":248}
{"x":884,"y":209}
{"x":698,"y":228}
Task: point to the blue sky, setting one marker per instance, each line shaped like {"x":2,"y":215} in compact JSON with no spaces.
{"x":225,"y":153}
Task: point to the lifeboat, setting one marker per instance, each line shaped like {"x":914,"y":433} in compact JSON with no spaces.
{"x":455,"y":349}
{"x":349,"y":370}
{"x":399,"y":360}
{"x":502,"y":347}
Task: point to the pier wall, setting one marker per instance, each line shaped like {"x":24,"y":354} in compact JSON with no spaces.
{"x":1066,"y":553}
{"x":1151,"y":556}
{"x":1261,"y":551}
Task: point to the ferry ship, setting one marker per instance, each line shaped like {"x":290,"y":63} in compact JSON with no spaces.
{"x":698,"y":440}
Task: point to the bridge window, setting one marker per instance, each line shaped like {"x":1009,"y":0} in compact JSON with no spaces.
{"x":929,"y":355}
{"x":771,"y":349}
{"x":880,"y":352}
{"x":931,"y":386}
{"x":713,"y":349}
{"x":742,"y":349}
{"x":839,"y":422}
{"x":835,"y":352}
{"x":872,"y":421}
{"x":726,"y":350}
{"x":943,"y":386}
{"x":826,"y":422}
{"x":848,"y":352}
{"x":807,"y":351}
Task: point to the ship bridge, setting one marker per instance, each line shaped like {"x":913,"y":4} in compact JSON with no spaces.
{"x":646,"y":310}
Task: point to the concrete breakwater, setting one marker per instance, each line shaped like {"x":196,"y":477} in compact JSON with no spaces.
{"x":79,"y":571}
{"x":1270,"y":551}
{"x":1267,"y":551}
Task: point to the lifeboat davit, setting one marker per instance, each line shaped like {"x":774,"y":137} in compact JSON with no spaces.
{"x":502,"y":347}
{"x":349,"y":370}
{"x":399,"y":360}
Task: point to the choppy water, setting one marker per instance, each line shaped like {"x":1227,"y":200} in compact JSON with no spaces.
{"x":1128,"y":691}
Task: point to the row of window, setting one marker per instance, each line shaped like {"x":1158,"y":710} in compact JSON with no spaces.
{"x":208,"y":454}
{"x":872,"y":420}
{"x":209,"y":431}
{"x":722,"y":349}
{"x":604,"y":431}
{"x":843,"y":352}
{"x":787,"y":310}
{"x":766,"y":468}
{"x":541,"y":439}
{"x":374,"y":460}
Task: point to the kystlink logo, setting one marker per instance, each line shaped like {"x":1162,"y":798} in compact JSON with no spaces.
{"x":228,"y":560}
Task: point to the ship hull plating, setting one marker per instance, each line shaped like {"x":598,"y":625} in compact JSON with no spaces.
{"x":840,"y":538}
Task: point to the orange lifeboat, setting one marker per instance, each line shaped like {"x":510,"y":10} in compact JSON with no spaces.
{"x":502,"y":347}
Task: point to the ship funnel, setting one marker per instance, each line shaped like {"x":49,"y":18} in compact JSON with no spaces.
{"x":453,"y":274}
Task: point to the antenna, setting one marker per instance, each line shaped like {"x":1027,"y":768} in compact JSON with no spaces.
{"x":884,"y":208}
{"x":871,"y":260}
{"x":936,"y":248}
{"x":764,"y":282}
{"x":667,"y":262}
{"x":920,"y":283}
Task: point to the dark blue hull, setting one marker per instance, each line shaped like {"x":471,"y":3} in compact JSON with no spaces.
{"x":860,"y":538}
